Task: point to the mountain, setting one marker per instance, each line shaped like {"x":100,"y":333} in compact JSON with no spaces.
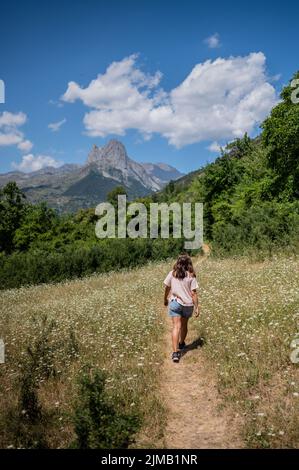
{"x":72,"y":186}
{"x":113,"y":162}
{"x":162,"y":171}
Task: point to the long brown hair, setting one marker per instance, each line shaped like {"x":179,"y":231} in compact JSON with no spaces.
{"x":183,"y":266}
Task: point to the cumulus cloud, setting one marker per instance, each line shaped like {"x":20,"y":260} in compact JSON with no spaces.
{"x":10,"y":138}
{"x":32,"y":162}
{"x":10,"y":133}
{"x":213,"y":41}
{"x":220,"y":99}
{"x":214,"y":147}
{"x":55,"y":126}
{"x":25,"y":146}
{"x":12,"y":120}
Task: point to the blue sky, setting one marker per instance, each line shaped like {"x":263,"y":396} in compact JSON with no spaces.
{"x":168,"y":97}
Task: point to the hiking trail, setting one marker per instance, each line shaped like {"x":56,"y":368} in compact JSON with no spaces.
{"x":190,"y":396}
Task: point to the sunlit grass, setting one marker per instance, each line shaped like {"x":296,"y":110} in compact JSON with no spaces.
{"x":114,"y":322}
{"x":250,"y":316}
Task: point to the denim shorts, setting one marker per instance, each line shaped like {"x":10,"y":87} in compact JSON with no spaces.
{"x":177,"y":310}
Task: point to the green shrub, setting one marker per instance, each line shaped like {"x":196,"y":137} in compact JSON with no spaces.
{"x":97,"y":421}
{"x":37,"y":266}
{"x":27,"y":423}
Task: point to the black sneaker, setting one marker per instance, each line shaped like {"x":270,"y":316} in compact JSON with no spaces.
{"x":175,"y":357}
{"x":182,"y":345}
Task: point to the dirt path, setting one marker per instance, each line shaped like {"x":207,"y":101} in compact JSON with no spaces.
{"x":191,"y":399}
{"x":190,"y":396}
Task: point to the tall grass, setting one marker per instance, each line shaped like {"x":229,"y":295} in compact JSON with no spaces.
{"x":113,"y":323}
{"x":110,"y":322}
{"x":250,"y":315}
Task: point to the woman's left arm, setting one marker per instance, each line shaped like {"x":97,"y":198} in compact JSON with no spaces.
{"x":195,"y":302}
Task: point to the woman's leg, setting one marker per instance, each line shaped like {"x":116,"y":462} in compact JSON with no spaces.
{"x":176,"y":328}
{"x":184,"y":329}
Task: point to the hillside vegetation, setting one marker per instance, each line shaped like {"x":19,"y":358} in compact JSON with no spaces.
{"x":251,"y":207}
{"x":251,"y":192}
{"x":249,"y":322}
{"x":61,"y":339}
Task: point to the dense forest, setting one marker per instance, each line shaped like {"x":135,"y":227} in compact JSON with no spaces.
{"x":251,"y":205}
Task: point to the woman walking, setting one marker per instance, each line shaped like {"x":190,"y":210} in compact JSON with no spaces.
{"x":181,"y":285}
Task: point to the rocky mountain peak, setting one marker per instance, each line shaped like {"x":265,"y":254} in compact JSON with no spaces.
{"x":93,"y":154}
{"x":113,"y":153}
{"x":72,"y":186}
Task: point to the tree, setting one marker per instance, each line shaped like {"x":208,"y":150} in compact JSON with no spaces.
{"x":39,"y":219}
{"x":12,"y":210}
{"x":170,"y":188}
{"x":112,"y":195}
{"x":281,"y":137}
{"x":239,"y":147}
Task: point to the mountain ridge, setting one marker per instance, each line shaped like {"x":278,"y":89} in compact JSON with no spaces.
{"x":74,"y":186}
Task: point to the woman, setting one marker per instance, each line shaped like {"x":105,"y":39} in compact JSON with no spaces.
{"x":181,"y":284}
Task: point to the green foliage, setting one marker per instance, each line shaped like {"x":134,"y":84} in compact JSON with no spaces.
{"x":265,"y":227}
{"x":28,"y":422}
{"x":98,"y":422}
{"x":37,"y":220}
{"x":113,"y":195}
{"x":281,"y":137}
{"x":12,"y":208}
{"x":240,"y":147}
{"x":38,"y":266}
{"x":250,"y":195}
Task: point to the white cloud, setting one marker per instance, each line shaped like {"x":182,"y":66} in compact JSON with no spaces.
{"x":10,"y":138}
{"x":25,"y":146}
{"x":12,"y":120}
{"x":55,"y":126}
{"x":214,"y":147}
{"x":10,"y":133}
{"x":220,"y":99}
{"x":213,"y":41}
{"x":122,"y":86}
{"x":33,"y":163}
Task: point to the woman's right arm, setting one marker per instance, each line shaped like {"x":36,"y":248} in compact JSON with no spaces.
{"x":166,"y":294}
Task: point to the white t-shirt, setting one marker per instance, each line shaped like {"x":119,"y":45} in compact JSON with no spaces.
{"x":181,"y":289}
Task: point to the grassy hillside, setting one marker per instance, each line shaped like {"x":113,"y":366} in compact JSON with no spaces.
{"x":112,"y":322}
{"x":116,"y":321}
{"x":249,"y":319}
